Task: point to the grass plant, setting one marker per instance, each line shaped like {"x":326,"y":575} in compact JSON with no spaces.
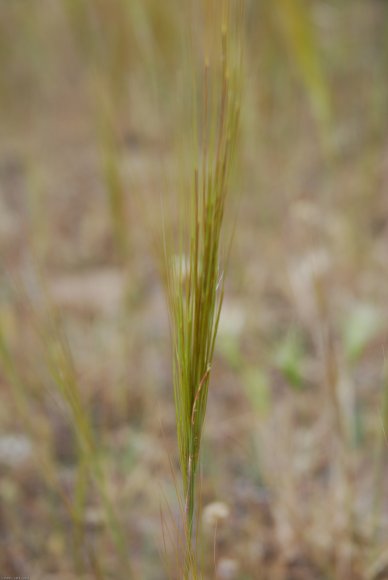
{"x":194,"y":255}
{"x":61,"y":373}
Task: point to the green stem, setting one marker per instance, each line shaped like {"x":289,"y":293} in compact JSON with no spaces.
{"x":189,"y":513}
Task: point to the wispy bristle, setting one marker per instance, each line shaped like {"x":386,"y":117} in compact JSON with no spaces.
{"x":193,"y":264}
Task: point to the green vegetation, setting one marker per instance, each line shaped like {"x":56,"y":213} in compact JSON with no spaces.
{"x":193,"y":268}
{"x":202,"y":183}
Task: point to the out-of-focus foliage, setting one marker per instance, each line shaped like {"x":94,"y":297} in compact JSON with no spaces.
{"x":289,"y":357}
{"x":258,"y":390}
{"x":296,"y":27}
{"x":362,"y":326}
{"x":94,"y":95}
{"x":118,"y":40}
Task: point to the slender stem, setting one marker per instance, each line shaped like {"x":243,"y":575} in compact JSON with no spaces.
{"x":189,"y":513}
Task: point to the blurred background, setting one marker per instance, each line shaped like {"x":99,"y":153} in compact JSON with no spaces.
{"x":294,"y":465}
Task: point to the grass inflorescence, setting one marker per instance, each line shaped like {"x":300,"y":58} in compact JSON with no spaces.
{"x":193,"y":258}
